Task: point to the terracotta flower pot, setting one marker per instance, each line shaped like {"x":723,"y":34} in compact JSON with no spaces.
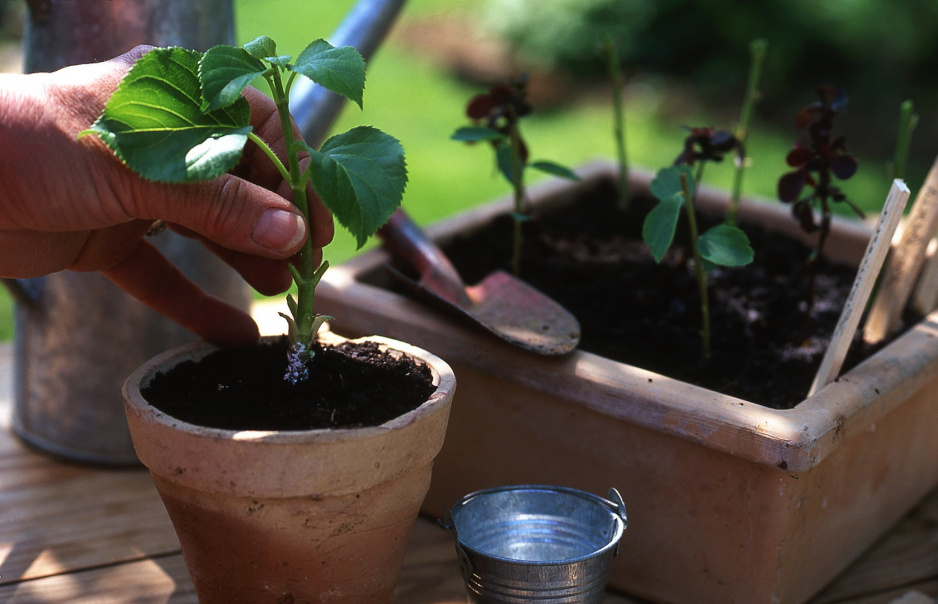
{"x":293,"y":516}
{"x":729,"y":501}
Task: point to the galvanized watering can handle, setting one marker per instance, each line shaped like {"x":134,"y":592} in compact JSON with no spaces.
{"x":313,"y":107}
{"x":17,"y":289}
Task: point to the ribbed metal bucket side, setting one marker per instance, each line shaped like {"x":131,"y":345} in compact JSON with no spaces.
{"x":536,"y":543}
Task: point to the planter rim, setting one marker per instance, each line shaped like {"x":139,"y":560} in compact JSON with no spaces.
{"x":794,"y":439}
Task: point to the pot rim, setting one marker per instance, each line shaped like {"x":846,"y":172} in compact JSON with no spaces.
{"x":443,"y":379}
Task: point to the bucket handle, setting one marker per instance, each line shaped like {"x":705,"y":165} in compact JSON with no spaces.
{"x":618,"y":505}
{"x":465,"y":564}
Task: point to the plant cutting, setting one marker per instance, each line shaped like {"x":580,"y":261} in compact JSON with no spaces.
{"x":817,"y":162}
{"x":722,"y":245}
{"x":178,"y":116}
{"x":745,"y":501}
{"x":758,"y":48}
{"x":499,"y":112}
{"x":293,"y":470}
{"x":610,"y":54}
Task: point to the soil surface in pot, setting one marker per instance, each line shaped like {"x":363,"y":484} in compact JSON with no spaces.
{"x":350,"y":385}
{"x":590,"y":258}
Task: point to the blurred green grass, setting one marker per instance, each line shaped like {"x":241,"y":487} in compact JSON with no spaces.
{"x":409,"y":96}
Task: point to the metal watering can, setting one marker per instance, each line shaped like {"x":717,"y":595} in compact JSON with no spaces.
{"x":78,"y":336}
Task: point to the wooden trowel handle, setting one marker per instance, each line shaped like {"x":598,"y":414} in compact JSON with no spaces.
{"x":405,"y":240}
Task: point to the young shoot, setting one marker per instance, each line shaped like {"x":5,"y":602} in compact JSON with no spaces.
{"x":496,"y":116}
{"x":818,"y":160}
{"x":675,"y":187}
{"x":611,"y":58}
{"x":757,"y":51}
{"x":178,"y":116}
{"x":908,"y":120}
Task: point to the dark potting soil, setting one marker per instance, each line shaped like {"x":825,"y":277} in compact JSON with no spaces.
{"x":350,"y":385}
{"x":589,"y":257}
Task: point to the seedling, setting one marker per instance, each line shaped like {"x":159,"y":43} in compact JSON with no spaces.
{"x":497,"y":119}
{"x":178,"y":116}
{"x":611,"y":59}
{"x":675,"y":187}
{"x":757,"y":51}
{"x":820,"y":159}
{"x":908,"y":120}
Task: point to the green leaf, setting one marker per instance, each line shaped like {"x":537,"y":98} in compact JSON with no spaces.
{"x":341,"y":70}
{"x":660,"y":224}
{"x":472,"y":134}
{"x":283,"y":61}
{"x":360,"y":175}
{"x":261,"y":47}
{"x":520,"y":216}
{"x":667,"y":181}
{"x":725,"y":245}
{"x":505,"y":163}
{"x":224,"y":72}
{"x":154,"y":121}
{"x":550,"y":167}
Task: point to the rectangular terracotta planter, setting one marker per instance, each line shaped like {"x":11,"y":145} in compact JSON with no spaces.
{"x":728,"y":501}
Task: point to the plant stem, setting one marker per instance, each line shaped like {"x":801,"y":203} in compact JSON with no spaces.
{"x":517,"y":184}
{"x":698,"y":269}
{"x":305,"y":275}
{"x":270,"y":154}
{"x":618,"y":119}
{"x":908,"y":119}
{"x":757,"y":51}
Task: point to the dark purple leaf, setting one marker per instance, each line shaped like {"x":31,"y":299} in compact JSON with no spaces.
{"x":802,"y":212}
{"x":804,"y":117}
{"x":843,"y":166}
{"x":480,"y":106}
{"x":501,"y":94}
{"x":790,"y":185}
{"x":723,"y":141}
{"x":798,"y":156}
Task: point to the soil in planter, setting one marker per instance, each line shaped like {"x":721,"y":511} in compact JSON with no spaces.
{"x":351,"y":385}
{"x":590,"y":258}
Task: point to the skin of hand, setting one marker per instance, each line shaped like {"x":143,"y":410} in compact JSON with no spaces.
{"x":71,"y":204}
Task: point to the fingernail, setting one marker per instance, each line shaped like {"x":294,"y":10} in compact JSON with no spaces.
{"x":279,"y":230}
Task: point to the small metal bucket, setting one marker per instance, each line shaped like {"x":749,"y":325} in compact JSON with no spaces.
{"x":527,"y":543}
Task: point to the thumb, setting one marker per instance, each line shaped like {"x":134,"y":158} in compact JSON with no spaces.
{"x":234,"y":213}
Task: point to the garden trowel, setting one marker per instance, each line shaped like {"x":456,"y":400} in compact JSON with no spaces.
{"x":501,"y":303}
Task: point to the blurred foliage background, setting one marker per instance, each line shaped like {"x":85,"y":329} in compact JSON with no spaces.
{"x":881,"y":52}
{"x":686,"y":64}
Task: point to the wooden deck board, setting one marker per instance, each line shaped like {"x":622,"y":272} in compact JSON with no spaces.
{"x":906,"y":557}
{"x":161,"y":580}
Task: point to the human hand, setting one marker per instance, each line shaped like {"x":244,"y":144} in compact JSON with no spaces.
{"x":71,"y":204}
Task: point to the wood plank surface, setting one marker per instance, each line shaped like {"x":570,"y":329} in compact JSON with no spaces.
{"x":161,"y":580}
{"x":906,"y":557}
